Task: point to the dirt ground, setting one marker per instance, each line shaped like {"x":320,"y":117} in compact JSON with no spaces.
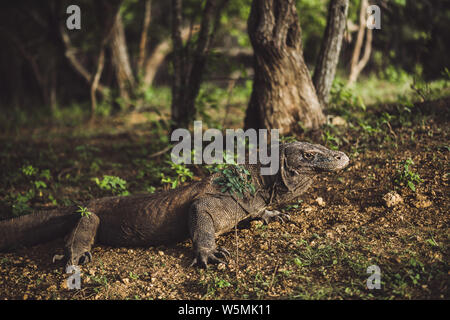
{"x":339,"y":228}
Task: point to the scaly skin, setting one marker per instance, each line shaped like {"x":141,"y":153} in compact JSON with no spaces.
{"x":198,"y":210}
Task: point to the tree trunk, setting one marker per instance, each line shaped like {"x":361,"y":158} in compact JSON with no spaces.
{"x":330,"y":49}
{"x":177,"y":111}
{"x":283,"y":93}
{"x":121,"y":60}
{"x":159,"y":54}
{"x":143,"y":42}
{"x":70,"y":53}
{"x":358,"y":64}
{"x":96,"y":80}
{"x":108,"y":13}
{"x":188,"y":73}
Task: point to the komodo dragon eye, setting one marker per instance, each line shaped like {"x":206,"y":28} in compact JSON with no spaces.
{"x":308,"y":155}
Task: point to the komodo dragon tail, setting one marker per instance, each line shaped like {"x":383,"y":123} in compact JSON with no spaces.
{"x":37,"y":227}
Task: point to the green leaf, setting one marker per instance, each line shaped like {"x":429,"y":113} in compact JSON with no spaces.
{"x":40,"y":184}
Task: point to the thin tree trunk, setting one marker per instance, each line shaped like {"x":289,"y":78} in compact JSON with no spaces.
{"x":70,"y":53}
{"x":188,"y":76}
{"x":283,"y":93}
{"x":154,"y":61}
{"x":356,"y":64}
{"x":96,"y":79}
{"x":52,"y":87}
{"x":177,"y":113}
{"x":121,"y":60}
{"x":108,"y":15}
{"x":208,"y":28}
{"x":331,"y":47}
{"x":143,"y":42}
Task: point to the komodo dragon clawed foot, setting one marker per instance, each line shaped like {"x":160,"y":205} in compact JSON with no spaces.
{"x":81,"y":259}
{"x":205,"y":255}
{"x":274,"y":215}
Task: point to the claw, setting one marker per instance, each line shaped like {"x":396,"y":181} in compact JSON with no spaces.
{"x":85,"y":258}
{"x":212,"y":256}
{"x":270,"y":215}
{"x":57,"y":257}
{"x":224,"y":253}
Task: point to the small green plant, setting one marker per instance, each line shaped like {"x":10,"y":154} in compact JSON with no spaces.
{"x":330,"y":140}
{"x":367,"y":128}
{"x":342,"y":97}
{"x":221,"y":283}
{"x":405,"y":176}
{"x":422,"y":88}
{"x":182,"y":175}
{"x":214,"y":284}
{"x":101,"y":282}
{"x":83,"y":211}
{"x":21,"y":201}
{"x":114,"y":184}
{"x":293,"y":205}
{"x":133,"y":276}
{"x":235,"y":179}
{"x":228,"y":158}
{"x":29,"y":170}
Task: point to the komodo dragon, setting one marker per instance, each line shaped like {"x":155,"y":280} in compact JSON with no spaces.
{"x":199,"y":210}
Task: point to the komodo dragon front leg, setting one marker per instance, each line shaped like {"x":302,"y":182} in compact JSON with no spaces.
{"x":77,"y":249}
{"x":214,"y":215}
{"x":207,"y":217}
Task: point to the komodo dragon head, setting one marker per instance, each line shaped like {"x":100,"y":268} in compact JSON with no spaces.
{"x":301,"y":161}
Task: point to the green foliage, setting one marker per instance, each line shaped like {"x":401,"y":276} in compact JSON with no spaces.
{"x":313,"y":19}
{"x":21,"y":202}
{"x":86,"y":152}
{"x":394,"y":75}
{"x":83,"y":211}
{"x":293,"y":205}
{"x":235,"y":179}
{"x":114,"y":184}
{"x":235,"y":13}
{"x":208,"y":100}
{"x":407,"y":177}
{"x":344,"y":99}
{"x":330,"y":140}
{"x":29,"y":170}
{"x":182,"y":174}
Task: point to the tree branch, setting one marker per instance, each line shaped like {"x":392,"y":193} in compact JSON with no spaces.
{"x":143,"y":42}
{"x":70,"y":53}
